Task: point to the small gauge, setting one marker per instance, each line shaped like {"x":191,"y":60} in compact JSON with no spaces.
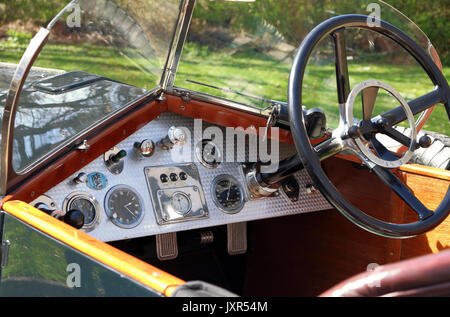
{"x":228,"y":194}
{"x":97,"y":181}
{"x":124,"y":206}
{"x":208,"y":154}
{"x":85,"y":203}
{"x":181,"y":203}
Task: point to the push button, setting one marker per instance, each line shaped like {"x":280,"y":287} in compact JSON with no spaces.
{"x":164,"y":178}
{"x":173,"y":177}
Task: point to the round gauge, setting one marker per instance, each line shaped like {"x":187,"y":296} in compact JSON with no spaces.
{"x":85,"y":203}
{"x":181,"y":203}
{"x":228,"y":194}
{"x":208,"y":154}
{"x":124,"y":206}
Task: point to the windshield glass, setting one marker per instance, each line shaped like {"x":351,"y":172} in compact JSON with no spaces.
{"x":243,"y":50}
{"x":100,"y":57}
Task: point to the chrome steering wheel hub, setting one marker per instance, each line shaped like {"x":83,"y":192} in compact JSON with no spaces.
{"x":369,"y":90}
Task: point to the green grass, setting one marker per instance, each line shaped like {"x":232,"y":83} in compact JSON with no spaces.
{"x":249,"y":72}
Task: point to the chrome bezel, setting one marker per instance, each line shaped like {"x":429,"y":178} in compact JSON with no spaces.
{"x":232,"y":179}
{"x":199,"y":155}
{"x":188,"y":210}
{"x":82,"y":195}
{"x":140,"y":200}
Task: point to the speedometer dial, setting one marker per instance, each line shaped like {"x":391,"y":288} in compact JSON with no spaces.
{"x":228,"y":194}
{"x":124,"y":206}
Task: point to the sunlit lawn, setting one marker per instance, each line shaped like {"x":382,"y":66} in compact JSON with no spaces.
{"x":253,"y":74}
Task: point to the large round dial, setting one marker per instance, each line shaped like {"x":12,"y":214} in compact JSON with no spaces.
{"x":228,"y":194}
{"x":85,"y":203}
{"x":124,"y":206}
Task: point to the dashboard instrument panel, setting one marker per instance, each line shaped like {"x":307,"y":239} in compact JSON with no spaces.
{"x":172,"y":190}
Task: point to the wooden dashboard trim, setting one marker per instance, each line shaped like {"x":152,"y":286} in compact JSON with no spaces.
{"x":426,"y":171}
{"x":223,"y":116}
{"x":122,"y":262}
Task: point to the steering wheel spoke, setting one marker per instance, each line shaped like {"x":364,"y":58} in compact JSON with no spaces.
{"x":397,"y":115}
{"x":382,"y":151}
{"x":369,"y":96}
{"x":342,"y":76}
{"x":396,"y":135}
{"x":403,"y":192}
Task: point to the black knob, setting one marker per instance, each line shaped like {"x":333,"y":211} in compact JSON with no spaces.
{"x":183,"y":176}
{"x":119,"y":156}
{"x":354,"y":132}
{"x":425,"y":141}
{"x":74,"y":217}
{"x":173,"y":177}
{"x":164,"y":178}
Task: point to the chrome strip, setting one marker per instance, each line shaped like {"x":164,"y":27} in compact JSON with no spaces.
{"x":264,"y":112}
{"x":179,"y":37}
{"x":9,"y":114}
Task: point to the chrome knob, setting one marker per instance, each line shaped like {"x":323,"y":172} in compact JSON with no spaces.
{"x":175,"y":136}
{"x":145,"y":148}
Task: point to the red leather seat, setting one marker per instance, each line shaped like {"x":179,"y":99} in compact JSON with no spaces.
{"x":423,"y":276}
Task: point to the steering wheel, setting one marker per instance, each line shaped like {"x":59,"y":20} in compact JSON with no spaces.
{"x":359,"y":138}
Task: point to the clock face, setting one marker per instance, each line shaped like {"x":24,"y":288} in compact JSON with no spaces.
{"x":124,"y":206}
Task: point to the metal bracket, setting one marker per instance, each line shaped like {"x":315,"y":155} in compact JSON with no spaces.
{"x":290,"y":189}
{"x":83,"y":146}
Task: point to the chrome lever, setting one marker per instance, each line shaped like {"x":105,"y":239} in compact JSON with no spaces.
{"x":272,"y":120}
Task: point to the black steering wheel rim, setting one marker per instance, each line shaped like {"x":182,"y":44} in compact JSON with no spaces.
{"x":306,"y":152}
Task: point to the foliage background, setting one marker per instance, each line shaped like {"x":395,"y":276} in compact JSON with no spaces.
{"x":433,"y":17}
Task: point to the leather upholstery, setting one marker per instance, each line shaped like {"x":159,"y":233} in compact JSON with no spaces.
{"x":423,"y":276}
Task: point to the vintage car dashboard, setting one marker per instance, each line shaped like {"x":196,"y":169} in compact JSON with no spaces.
{"x":124,"y":194}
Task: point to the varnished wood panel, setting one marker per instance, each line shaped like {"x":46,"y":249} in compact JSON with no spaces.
{"x":306,"y":254}
{"x":430,"y":191}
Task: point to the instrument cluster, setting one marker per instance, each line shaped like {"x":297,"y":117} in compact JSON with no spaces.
{"x":141,"y":187}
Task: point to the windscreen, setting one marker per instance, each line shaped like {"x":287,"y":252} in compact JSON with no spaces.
{"x":243,"y":51}
{"x":101,"y":56}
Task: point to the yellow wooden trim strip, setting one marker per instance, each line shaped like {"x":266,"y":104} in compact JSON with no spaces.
{"x":426,"y":171}
{"x":122,"y":262}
